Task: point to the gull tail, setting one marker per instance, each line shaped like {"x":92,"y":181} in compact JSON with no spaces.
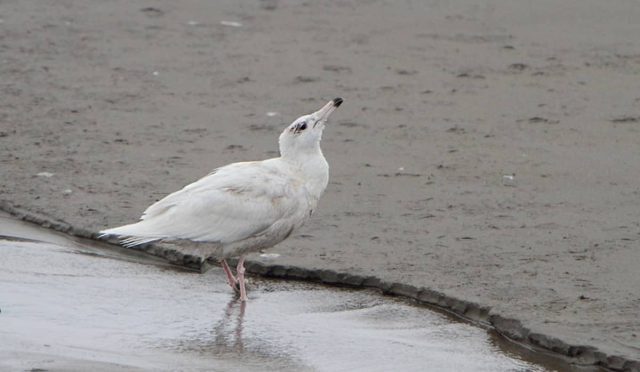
{"x":133,"y":234}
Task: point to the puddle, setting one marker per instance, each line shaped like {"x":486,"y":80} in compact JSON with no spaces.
{"x":69,"y":304}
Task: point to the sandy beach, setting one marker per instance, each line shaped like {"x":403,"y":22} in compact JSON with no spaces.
{"x":486,"y":151}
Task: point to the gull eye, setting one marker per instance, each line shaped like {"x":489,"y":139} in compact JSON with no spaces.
{"x":299,"y":127}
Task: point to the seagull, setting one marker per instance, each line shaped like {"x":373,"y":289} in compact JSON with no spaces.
{"x":243,"y":207}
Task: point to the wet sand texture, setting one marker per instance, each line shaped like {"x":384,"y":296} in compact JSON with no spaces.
{"x":122,"y":103}
{"x":132,"y":314}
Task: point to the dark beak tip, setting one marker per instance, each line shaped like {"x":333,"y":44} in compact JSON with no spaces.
{"x":337,"y":101}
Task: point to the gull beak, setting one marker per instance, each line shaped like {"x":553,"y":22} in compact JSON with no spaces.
{"x":323,"y":114}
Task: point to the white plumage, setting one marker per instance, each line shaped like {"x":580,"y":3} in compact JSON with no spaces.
{"x":243,"y":207}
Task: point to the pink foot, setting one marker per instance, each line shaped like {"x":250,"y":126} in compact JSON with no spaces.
{"x":233,"y":282}
{"x":240,"y":271}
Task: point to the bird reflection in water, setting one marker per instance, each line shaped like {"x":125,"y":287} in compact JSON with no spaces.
{"x":228,"y":330}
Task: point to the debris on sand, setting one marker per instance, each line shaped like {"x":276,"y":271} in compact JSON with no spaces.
{"x":626,"y":119}
{"x":231,"y":23}
{"x":152,"y":11}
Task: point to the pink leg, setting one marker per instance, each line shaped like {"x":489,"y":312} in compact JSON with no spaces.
{"x":233,"y":282}
{"x":240,"y":271}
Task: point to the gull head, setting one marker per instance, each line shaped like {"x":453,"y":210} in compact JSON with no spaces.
{"x":304,"y":134}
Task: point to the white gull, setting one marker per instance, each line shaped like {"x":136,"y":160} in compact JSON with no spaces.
{"x":243,"y":207}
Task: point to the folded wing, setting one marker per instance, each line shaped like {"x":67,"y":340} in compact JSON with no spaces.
{"x":233,"y":203}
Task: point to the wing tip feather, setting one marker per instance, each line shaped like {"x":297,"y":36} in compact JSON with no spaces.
{"x":128,"y":240}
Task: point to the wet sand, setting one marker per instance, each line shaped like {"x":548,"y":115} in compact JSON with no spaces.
{"x":74,"y":305}
{"x":117,"y":104}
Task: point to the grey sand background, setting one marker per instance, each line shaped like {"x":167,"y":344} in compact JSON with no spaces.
{"x":122,"y":103}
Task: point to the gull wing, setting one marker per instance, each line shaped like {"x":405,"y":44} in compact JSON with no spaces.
{"x":233,"y":203}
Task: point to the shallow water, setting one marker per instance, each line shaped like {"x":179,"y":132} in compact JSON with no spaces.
{"x":78,"y":305}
